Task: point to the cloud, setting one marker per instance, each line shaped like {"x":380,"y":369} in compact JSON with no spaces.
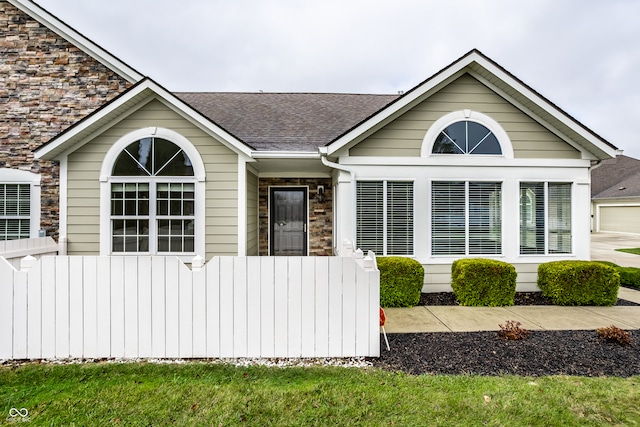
{"x":580,"y":54}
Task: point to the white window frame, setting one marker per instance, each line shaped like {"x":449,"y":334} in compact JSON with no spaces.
{"x":471,"y":116}
{"x":547,"y":228}
{"x":385,"y":215}
{"x":15,"y":176}
{"x":467,"y":218}
{"x":106,"y":179}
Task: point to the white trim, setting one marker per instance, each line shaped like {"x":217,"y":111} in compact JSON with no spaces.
{"x":476,"y":64}
{"x":77,"y":39}
{"x":462,"y":160}
{"x":17,"y":176}
{"x":472,"y":116}
{"x":285,"y":155}
{"x":155,"y":132}
{"x":62,"y":195}
{"x":242,"y":206}
{"x":198,"y":180}
{"x":76,"y":136}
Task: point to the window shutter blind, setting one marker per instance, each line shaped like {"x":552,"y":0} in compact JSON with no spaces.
{"x":485,"y":218}
{"x":399,"y":218}
{"x":532,"y":218}
{"x":448,"y":223}
{"x":559,"y":211}
{"x":370,"y":216}
{"x":15,"y":211}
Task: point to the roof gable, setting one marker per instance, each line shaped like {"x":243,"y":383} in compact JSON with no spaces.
{"x":131,"y":100}
{"x":504,"y":84}
{"x":72,"y":36}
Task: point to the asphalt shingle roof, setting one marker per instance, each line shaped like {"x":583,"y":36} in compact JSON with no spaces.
{"x":617,"y":177}
{"x":286,"y":121}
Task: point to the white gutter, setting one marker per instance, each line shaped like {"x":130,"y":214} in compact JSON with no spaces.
{"x":284,"y":155}
{"x":323,"y":157}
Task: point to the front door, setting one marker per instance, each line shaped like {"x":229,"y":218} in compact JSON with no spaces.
{"x":288,"y":221}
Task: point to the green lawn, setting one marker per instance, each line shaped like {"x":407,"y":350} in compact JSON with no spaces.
{"x":144,"y":394}
{"x":635,"y":251}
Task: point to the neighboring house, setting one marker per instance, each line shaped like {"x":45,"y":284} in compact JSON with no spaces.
{"x":615,"y":195}
{"x":470,"y":163}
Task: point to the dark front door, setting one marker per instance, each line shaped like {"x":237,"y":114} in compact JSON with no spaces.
{"x":288,"y":221}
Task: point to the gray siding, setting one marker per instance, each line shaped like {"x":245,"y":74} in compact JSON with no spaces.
{"x":437,"y":277}
{"x":221,"y":165}
{"x":403,"y":137}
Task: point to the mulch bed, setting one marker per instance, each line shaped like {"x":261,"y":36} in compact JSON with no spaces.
{"x":484,"y":353}
{"x":541,"y":353}
{"x":521,"y":298}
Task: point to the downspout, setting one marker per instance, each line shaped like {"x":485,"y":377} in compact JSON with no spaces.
{"x":323,"y":157}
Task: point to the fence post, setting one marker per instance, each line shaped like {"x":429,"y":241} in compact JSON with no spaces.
{"x":26,"y":263}
{"x":197,"y":262}
{"x":62,"y":245}
{"x":347,"y":248}
{"x":370,"y":261}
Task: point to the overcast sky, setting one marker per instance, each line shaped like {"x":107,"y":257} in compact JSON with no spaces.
{"x":583,"y":55}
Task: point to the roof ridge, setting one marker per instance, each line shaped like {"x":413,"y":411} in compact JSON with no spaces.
{"x":285,"y":93}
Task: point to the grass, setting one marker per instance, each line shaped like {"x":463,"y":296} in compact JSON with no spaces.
{"x":635,"y":251}
{"x":133,"y":394}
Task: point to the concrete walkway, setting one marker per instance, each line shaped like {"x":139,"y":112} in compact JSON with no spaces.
{"x":473,"y":319}
{"x":604,"y":245}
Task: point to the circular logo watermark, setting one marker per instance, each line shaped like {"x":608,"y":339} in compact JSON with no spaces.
{"x":18,"y":415}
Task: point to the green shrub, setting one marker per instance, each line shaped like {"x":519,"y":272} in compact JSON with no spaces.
{"x":401,"y":281}
{"x":483,"y":282}
{"x":629,"y":276}
{"x":579,"y":282}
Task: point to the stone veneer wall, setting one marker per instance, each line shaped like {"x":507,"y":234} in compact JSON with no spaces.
{"x":46,"y":85}
{"x":320,"y":214}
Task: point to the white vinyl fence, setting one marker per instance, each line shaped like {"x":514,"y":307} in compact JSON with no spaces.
{"x":157,"y":307}
{"x":14,"y":250}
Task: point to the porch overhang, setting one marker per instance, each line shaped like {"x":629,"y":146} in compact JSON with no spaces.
{"x":289,"y":164}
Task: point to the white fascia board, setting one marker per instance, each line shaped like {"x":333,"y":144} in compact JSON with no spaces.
{"x":199,"y":120}
{"x":401,"y":104}
{"x":453,"y":162}
{"x":73,"y":137}
{"x":285,"y":155}
{"x":78,"y":40}
{"x":145,"y":91}
{"x":541,"y":102}
{"x":450,"y":73}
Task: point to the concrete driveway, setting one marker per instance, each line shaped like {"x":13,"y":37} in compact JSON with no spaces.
{"x":604,"y":245}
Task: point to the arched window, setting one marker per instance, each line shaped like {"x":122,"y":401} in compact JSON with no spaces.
{"x":153,"y":194}
{"x":466,"y":133}
{"x":466,"y":137}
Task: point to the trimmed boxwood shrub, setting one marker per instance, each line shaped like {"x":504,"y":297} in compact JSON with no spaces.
{"x":575,"y":282}
{"x":483,"y":282}
{"x":629,"y":276}
{"x":401,"y":281}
